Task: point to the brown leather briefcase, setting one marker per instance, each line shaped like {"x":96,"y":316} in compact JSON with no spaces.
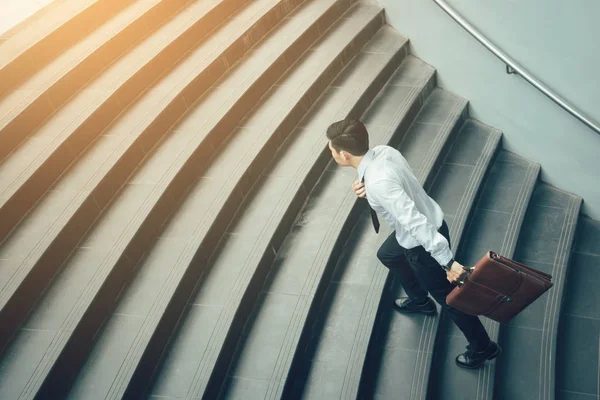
{"x":498,"y":288}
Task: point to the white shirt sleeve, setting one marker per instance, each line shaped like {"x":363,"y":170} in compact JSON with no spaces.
{"x":392,"y":197}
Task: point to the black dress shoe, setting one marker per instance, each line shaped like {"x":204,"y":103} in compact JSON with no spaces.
{"x":406,"y":305}
{"x":475,"y":359}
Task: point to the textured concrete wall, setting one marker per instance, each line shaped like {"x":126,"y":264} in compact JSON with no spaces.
{"x":558,"y":44}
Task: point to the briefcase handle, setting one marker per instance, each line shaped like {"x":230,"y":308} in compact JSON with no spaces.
{"x":467,"y":271}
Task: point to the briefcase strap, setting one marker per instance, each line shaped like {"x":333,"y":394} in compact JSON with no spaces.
{"x":467,"y":271}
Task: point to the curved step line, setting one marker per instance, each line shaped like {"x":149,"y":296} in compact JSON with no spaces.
{"x":352,"y":197}
{"x":201,"y":230}
{"x":427,"y":74}
{"x":490,"y":148}
{"x":569,"y":246}
{"x":423,"y":337}
{"x":483,"y":373}
{"x":549,"y":309}
{"x":550,"y":321}
{"x":110,"y":259}
{"x":60,"y":140}
{"x":418,"y":364}
{"x":395,"y":121}
{"x":463,"y":205}
{"x":325,"y":149}
{"x":467,"y":202}
{"x":557,"y":295}
{"x":430,"y":330}
{"x":91,"y":50}
{"x":472,"y":186}
{"x":31,"y":42}
{"x":307,"y":293}
{"x":29,"y":21}
{"x":350,"y":387}
{"x":306,"y":166}
{"x":304,"y":301}
{"x":190,"y":249}
{"x":484,"y":322}
{"x":487,"y":373}
{"x":439,"y":142}
{"x":118,"y":86}
{"x":350,"y":383}
{"x":201,"y":379}
{"x":90,"y":186}
{"x":256,"y":252}
{"x":422,"y":81}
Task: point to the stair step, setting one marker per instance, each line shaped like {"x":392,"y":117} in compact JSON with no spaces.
{"x":290,"y":285}
{"x":158,"y":294}
{"x":31,"y":103}
{"x":225,"y":294}
{"x":579,"y":329}
{"x":25,"y":51}
{"x":121,"y":237}
{"x":495,"y":225}
{"x":42,"y":242}
{"x":406,"y":343}
{"x":65,"y":215}
{"x":21,"y":18}
{"x":39,"y":161}
{"x":529,"y":340}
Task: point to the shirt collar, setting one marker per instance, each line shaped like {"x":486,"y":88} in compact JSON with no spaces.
{"x":362,"y":166}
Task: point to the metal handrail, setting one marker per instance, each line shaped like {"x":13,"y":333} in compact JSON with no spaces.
{"x":512,"y":67}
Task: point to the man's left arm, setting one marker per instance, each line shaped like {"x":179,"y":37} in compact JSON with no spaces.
{"x":391,"y":196}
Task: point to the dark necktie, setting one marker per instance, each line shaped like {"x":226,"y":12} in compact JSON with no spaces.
{"x":374,"y":218}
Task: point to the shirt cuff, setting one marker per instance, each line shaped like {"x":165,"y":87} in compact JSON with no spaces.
{"x":444,"y":257}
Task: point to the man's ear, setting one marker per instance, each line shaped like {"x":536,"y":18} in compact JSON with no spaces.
{"x":345,"y":155}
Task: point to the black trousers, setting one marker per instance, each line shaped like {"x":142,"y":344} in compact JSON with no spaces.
{"x":420,"y":273}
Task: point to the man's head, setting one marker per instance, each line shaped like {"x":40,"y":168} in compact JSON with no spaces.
{"x":348,"y":141}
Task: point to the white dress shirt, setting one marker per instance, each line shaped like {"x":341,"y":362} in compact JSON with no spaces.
{"x":395,"y":193}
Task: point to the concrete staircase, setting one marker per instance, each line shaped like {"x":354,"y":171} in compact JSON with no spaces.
{"x":172,"y":225}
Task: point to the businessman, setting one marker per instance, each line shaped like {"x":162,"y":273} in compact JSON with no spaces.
{"x":418,"y":251}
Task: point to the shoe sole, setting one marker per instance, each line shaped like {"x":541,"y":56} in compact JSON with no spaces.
{"x":491,"y":357}
{"x":403,"y":311}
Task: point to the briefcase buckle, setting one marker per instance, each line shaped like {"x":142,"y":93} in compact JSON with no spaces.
{"x":506,"y":299}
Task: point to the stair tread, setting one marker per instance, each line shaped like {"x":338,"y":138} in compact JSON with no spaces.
{"x":497,"y":220}
{"x":250,"y":237}
{"x":187,"y":223}
{"x":529,"y":340}
{"x":276,"y":330}
{"x":84,"y":176}
{"x":61,"y":125}
{"x":20,"y":244}
{"x":24,"y":39}
{"x":116,"y":229}
{"x":27,"y":92}
{"x":26,"y":17}
{"x":580,"y":317}
{"x":56,"y":209}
